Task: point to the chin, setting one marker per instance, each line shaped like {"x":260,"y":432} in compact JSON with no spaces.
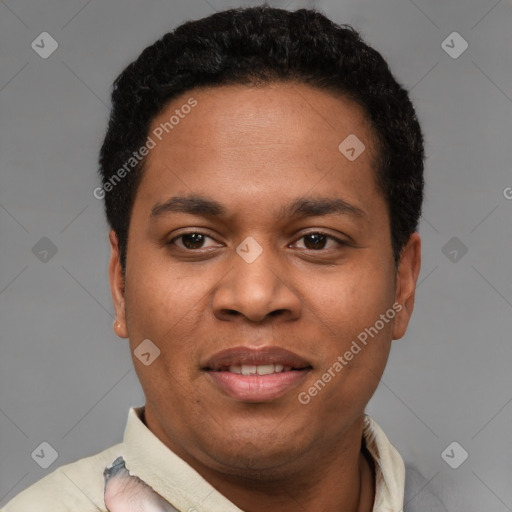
{"x":256,"y":456}
{"x":263,"y":467}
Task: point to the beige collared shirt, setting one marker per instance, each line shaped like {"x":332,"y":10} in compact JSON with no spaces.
{"x":79,"y":486}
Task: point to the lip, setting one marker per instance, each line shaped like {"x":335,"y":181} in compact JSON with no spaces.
{"x":256,"y":388}
{"x":253,"y":356}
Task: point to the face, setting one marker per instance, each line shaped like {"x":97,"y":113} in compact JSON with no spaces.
{"x":268,"y":271}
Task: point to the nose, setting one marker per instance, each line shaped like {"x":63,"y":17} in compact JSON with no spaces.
{"x":257,"y":290}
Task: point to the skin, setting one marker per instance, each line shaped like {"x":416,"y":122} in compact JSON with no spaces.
{"x":255,"y":149}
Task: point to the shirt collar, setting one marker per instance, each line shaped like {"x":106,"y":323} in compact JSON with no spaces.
{"x":389,"y":468}
{"x":170,"y":476}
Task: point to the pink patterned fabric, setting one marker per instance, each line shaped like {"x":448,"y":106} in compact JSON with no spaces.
{"x":125,"y":492}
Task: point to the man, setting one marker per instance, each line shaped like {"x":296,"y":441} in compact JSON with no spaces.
{"x":263,"y":180}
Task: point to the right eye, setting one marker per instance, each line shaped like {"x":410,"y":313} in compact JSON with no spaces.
{"x":190,"y":241}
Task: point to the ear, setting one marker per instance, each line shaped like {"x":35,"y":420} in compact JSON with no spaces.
{"x":406,"y":278}
{"x":117,"y":286}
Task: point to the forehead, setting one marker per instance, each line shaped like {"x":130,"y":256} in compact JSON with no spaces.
{"x":225,"y":113}
{"x":266,"y":140}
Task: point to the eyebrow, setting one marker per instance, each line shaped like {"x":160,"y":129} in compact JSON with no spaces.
{"x":300,"y":207}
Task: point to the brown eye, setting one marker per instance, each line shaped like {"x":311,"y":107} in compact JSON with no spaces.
{"x":193,"y":240}
{"x":317,"y":240}
{"x":190,"y":241}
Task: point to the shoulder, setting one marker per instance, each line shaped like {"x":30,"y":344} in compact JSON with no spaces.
{"x":419,"y":496}
{"x":77,"y":486}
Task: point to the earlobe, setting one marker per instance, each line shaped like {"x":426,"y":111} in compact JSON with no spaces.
{"x":117,"y":287}
{"x":407,"y":276}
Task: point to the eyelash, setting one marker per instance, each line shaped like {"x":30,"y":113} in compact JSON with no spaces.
{"x":327,"y":235}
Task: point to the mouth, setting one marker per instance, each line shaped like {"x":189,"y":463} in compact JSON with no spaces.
{"x":257,"y":369}
{"x":256,"y":375}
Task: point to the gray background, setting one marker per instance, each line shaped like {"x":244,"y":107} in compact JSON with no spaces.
{"x":66,"y":379}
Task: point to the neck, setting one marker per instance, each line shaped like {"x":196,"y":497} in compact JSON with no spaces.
{"x":330,"y":490}
{"x":333,"y":479}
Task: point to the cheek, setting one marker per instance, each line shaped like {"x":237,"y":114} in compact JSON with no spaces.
{"x":352,"y":299}
{"x":350,"y":306}
{"x":167,"y":305}
{"x":161,"y":299}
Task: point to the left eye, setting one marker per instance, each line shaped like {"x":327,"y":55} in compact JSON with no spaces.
{"x":317,"y":240}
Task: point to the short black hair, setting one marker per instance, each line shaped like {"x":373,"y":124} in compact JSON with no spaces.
{"x":263,"y":45}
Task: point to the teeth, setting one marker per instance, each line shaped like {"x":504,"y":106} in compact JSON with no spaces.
{"x":265,"y":369}
{"x":262,"y":369}
{"x":248,"y":369}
